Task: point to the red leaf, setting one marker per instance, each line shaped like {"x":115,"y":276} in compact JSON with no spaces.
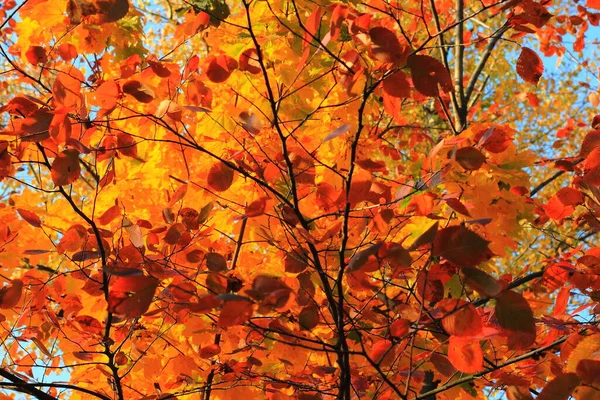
{"x":210,"y":351}
{"x":174,"y":233}
{"x":382,"y":352}
{"x":494,"y":140}
{"x":112,"y":10}
{"x":460,"y":318}
{"x":589,"y":371}
{"x":461,"y":246}
{"x":220,"y":68}
{"x":465,"y":354}
{"x":514,"y":314}
{"x":457,"y":206}
{"x":365,"y":259}
{"x":65,"y":168}
{"x":529,"y":66}
{"x":36,"y":55}
{"x":256,"y":208}
{"x":590,"y":143}
{"x":140,"y":91}
{"x":109,"y":215}
{"x":131,"y":296}
{"x":309,"y":317}
{"x":560,"y":388}
{"x":396,"y":85}
{"x":215,"y":262}
{"x":400,"y":328}
{"x":295,"y":261}
{"x":220,"y":177}
{"x":35,"y":127}
{"x":386,"y":47}
{"x":593,"y":4}
{"x":249,"y":61}
{"x":339,"y":14}
{"x":563,"y":203}
{"x":30,"y":217}
{"x":158,"y":67}
{"x":235,"y":311}
{"x":470,"y":158}
{"x":11,"y":294}
{"x":482,"y":282}
{"x":427,"y":73}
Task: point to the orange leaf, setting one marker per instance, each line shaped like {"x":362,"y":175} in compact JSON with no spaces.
{"x":235,"y":311}
{"x":465,"y":354}
{"x":67,"y":51}
{"x":220,"y":68}
{"x":31,"y":218}
{"x":107,"y":95}
{"x":178,"y":195}
{"x":529,"y":66}
{"x":109,"y":215}
{"x":220,"y":177}
{"x":65,"y":168}
{"x":460,"y":318}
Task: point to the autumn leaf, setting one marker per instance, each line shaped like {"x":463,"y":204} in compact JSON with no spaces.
{"x":249,"y":61}
{"x":386,"y":47}
{"x":36,"y":55}
{"x":560,"y":388}
{"x":140,"y":91}
{"x":131,"y":296}
{"x":10,"y":294}
{"x":220,"y":68}
{"x":31,"y":218}
{"x":461,"y":246}
{"x":220,"y":177}
{"x":529,"y":66}
{"x":459,"y":318}
{"x":470,"y":158}
{"x":465,"y":354}
{"x":235,"y":310}
{"x":65,"y":168}
{"x":309,"y":317}
{"x":427,"y":73}
{"x":514,"y":314}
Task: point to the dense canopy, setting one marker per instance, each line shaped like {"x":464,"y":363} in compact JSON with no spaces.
{"x":307,"y":199}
